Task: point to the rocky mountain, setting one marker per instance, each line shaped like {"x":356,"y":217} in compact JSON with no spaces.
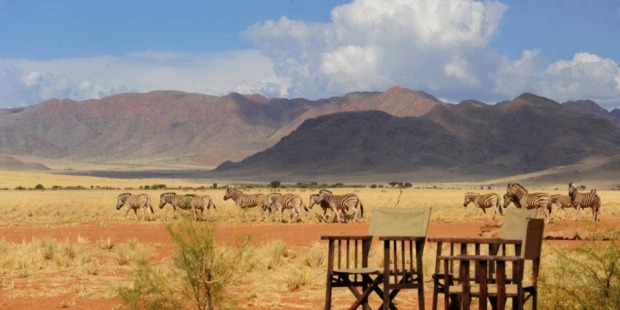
{"x":171,"y":127}
{"x":363,"y":133}
{"x":529,"y":133}
{"x":589,"y":106}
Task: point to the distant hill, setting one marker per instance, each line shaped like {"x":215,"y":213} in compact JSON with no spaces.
{"x":10,"y":163}
{"x":172,"y":128}
{"x":399,"y":131}
{"x":590,"y":106}
{"x":529,"y":133}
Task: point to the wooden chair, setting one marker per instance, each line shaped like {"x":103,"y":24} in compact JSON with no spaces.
{"x":500,"y":286}
{"x":403,"y":235}
{"x":508,"y":241}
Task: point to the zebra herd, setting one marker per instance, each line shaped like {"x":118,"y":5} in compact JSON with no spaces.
{"x":341,"y":205}
{"x":521,"y":198}
{"x":338,"y":204}
{"x":326,"y":199}
{"x":143,"y":202}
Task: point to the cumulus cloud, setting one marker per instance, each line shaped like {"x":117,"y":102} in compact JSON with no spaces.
{"x":440,"y":46}
{"x":371,"y":45}
{"x":585,"y":76}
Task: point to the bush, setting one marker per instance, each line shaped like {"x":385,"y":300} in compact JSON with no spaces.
{"x":582,"y":278}
{"x":201,"y":272}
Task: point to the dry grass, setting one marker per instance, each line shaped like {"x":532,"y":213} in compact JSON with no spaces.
{"x":93,"y":268}
{"x":55,"y":206}
{"x":67,"y":266}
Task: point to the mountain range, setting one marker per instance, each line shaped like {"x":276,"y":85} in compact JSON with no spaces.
{"x":398,"y":131}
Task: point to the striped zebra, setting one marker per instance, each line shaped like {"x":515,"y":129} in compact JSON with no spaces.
{"x":201,"y":203}
{"x":484,"y":201}
{"x":135,"y":202}
{"x":314,"y":199}
{"x":513,"y":199}
{"x":342,"y":202}
{"x":563,"y":202}
{"x":176,"y":201}
{"x":585,"y":200}
{"x":541,"y":201}
{"x":245,"y":201}
{"x":286,"y":201}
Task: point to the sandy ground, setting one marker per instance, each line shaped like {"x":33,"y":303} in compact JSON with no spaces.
{"x":155,"y":235}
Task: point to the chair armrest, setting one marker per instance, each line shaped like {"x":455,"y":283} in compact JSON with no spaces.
{"x":344,"y":237}
{"x":488,"y":258}
{"x":473,"y":240}
{"x":399,"y":238}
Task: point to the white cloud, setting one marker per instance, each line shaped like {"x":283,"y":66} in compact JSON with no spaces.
{"x":27,"y":82}
{"x":439,"y":46}
{"x":371,"y":45}
{"x":585,"y":76}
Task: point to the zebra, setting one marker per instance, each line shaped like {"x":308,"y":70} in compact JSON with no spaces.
{"x":286,"y":201}
{"x":245,"y":201}
{"x":508,"y":199}
{"x":484,"y":201}
{"x":176,"y":201}
{"x":314,"y":199}
{"x":585,"y":200}
{"x":563,"y":202}
{"x":343,"y":202}
{"x":200,"y":203}
{"x":135,"y":202}
{"x":542,"y":201}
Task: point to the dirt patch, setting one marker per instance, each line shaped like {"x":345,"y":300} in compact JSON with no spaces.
{"x":295,"y":235}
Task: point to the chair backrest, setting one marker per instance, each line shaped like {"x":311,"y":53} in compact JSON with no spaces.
{"x":515,"y":223}
{"x":406,"y":222}
{"x":532,"y":239}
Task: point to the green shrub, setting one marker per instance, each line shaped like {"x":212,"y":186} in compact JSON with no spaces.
{"x":586,"y":277}
{"x":201,"y":271}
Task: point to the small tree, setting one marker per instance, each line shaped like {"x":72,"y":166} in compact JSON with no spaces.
{"x":206,"y":268}
{"x":275,"y":184}
{"x":39,"y":187}
{"x":202,"y":271}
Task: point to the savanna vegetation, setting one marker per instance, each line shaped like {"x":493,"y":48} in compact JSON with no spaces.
{"x":188,"y":266}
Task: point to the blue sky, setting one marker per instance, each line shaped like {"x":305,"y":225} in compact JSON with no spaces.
{"x":453,"y":49}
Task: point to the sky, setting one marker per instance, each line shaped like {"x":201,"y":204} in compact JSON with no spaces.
{"x":453,"y":49}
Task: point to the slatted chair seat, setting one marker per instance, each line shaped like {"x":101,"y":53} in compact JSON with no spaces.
{"x":511,"y":289}
{"x":365,"y":270}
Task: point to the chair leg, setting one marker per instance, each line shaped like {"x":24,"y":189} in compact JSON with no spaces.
{"x":421,"y":297}
{"x":435,"y":293}
{"x":328,"y":294}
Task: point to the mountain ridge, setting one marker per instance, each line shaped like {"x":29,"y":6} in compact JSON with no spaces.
{"x":168,"y":128}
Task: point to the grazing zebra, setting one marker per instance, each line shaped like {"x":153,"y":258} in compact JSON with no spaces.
{"x":286,"y":201}
{"x":585,"y":200}
{"x":135,"y":202}
{"x":490,"y":200}
{"x":176,"y":201}
{"x":314,"y":199}
{"x":513,"y":199}
{"x":563,"y":202}
{"x":542,"y":201}
{"x":200,"y":203}
{"x":245,"y":201}
{"x":342,"y":202}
